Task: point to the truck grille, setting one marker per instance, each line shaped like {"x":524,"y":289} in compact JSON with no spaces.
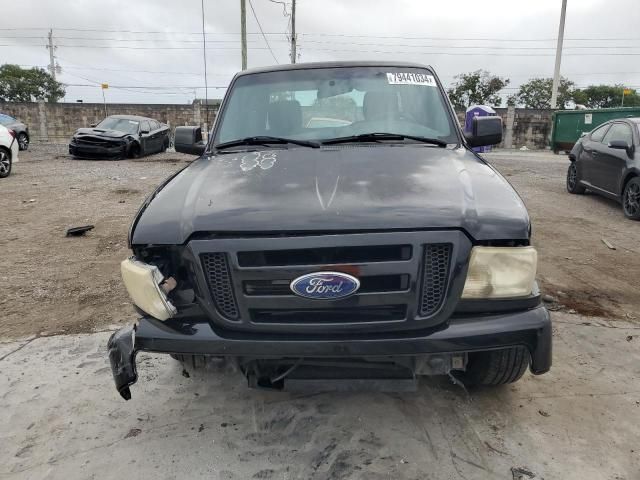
{"x":404,"y":278}
{"x":380,"y":313}
{"x":324,"y":256}
{"x":436,"y":266}
{"x":216,"y":269}
{"x":372,"y":284}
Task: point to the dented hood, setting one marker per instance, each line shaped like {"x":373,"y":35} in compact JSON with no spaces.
{"x":354,"y":187}
{"x":98,"y":132}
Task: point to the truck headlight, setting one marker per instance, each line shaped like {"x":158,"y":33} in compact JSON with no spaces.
{"x":500,"y":272}
{"x":143,"y":284}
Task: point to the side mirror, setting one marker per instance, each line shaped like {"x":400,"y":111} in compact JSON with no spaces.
{"x":485,"y":131}
{"x":621,"y":145}
{"x":93,"y":125}
{"x":189,"y":140}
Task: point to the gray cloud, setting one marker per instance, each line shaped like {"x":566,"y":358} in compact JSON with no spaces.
{"x":432,"y":33}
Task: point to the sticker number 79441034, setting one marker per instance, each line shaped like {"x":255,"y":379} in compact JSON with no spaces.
{"x":411,"y":78}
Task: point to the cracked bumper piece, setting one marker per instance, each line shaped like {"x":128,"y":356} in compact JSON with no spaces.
{"x":122,"y":357}
{"x":531,"y":328}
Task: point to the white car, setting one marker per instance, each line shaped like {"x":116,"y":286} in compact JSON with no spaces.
{"x":8,"y":151}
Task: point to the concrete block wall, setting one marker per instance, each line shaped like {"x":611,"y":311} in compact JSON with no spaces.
{"x":56,"y":122}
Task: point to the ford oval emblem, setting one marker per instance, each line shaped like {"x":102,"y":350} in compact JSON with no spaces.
{"x":325,"y":285}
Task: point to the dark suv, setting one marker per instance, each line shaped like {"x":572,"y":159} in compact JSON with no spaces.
{"x":372,"y":247}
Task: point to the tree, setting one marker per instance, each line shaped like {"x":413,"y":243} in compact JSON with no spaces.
{"x":27,"y":85}
{"x":536,"y":93}
{"x":605,"y":96}
{"x":476,"y":88}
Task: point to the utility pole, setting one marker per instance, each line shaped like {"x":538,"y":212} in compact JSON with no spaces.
{"x":293,"y":31}
{"x":52,"y":57}
{"x":204,"y":58}
{"x":243,"y":32}
{"x":556,"y":73}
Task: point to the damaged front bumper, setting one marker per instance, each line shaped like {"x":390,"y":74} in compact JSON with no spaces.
{"x":531,"y":328}
{"x":122,"y":355}
{"x":98,"y":151}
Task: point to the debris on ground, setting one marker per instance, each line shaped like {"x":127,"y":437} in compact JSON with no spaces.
{"x":549,"y":299}
{"x":544,"y":413}
{"x":185,"y":374}
{"x":629,"y":338}
{"x":134,"y":432}
{"x":522,"y":473}
{"x":78,"y":231}
{"x":608,"y":244}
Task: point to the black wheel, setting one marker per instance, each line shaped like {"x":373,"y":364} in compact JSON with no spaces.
{"x":573,"y":182}
{"x":23,"y":141}
{"x":134,"y":151}
{"x":631,"y":199}
{"x":192,"y":361}
{"x":496,"y":367}
{"x":5,"y":162}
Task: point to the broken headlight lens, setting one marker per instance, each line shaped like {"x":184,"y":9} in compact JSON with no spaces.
{"x":143,"y":282}
{"x":500,"y":272}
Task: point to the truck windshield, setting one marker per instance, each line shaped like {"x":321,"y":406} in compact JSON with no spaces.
{"x":328,"y":103}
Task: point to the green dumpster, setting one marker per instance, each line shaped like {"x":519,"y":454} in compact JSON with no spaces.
{"x":569,"y":125}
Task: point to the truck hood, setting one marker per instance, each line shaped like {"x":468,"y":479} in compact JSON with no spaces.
{"x":351,"y":187}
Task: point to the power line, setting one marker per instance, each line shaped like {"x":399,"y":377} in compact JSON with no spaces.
{"x":320,"y":42}
{"x":342,"y":50}
{"x":261,"y":31}
{"x":326,"y":34}
{"x":129,"y":48}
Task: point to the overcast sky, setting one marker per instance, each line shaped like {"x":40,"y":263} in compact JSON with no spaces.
{"x":162,"y":62}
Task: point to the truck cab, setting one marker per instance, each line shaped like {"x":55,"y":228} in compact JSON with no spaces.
{"x":337,"y":229}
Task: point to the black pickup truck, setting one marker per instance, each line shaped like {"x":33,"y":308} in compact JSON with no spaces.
{"x":337,"y":230}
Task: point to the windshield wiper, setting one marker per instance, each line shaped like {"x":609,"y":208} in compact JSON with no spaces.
{"x":376,"y":136}
{"x":265,"y":140}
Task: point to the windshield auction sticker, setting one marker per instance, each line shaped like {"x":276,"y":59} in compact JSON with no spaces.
{"x":410,"y":78}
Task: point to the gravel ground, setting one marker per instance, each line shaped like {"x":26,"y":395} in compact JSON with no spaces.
{"x":575,"y":264}
{"x":54,"y":284}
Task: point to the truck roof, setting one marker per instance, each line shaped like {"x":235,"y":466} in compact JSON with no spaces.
{"x":310,"y":65}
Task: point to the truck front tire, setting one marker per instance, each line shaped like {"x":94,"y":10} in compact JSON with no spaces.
{"x":496,"y":367}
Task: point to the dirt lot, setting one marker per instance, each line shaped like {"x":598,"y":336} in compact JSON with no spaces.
{"x":58,"y":284}
{"x":62,"y":418}
{"x":54,"y":284}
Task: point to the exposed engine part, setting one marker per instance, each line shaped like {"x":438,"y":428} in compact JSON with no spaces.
{"x":168,"y":284}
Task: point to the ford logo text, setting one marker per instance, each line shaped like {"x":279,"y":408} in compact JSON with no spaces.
{"x":325,"y":285}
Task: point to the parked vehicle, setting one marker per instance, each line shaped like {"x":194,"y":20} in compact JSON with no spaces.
{"x":383,"y":249}
{"x":605,"y":161}
{"x":120,"y":136}
{"x":8,"y":151}
{"x":21,"y":130}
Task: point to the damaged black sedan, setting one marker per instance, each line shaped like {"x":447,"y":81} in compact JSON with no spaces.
{"x":120,"y":136}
